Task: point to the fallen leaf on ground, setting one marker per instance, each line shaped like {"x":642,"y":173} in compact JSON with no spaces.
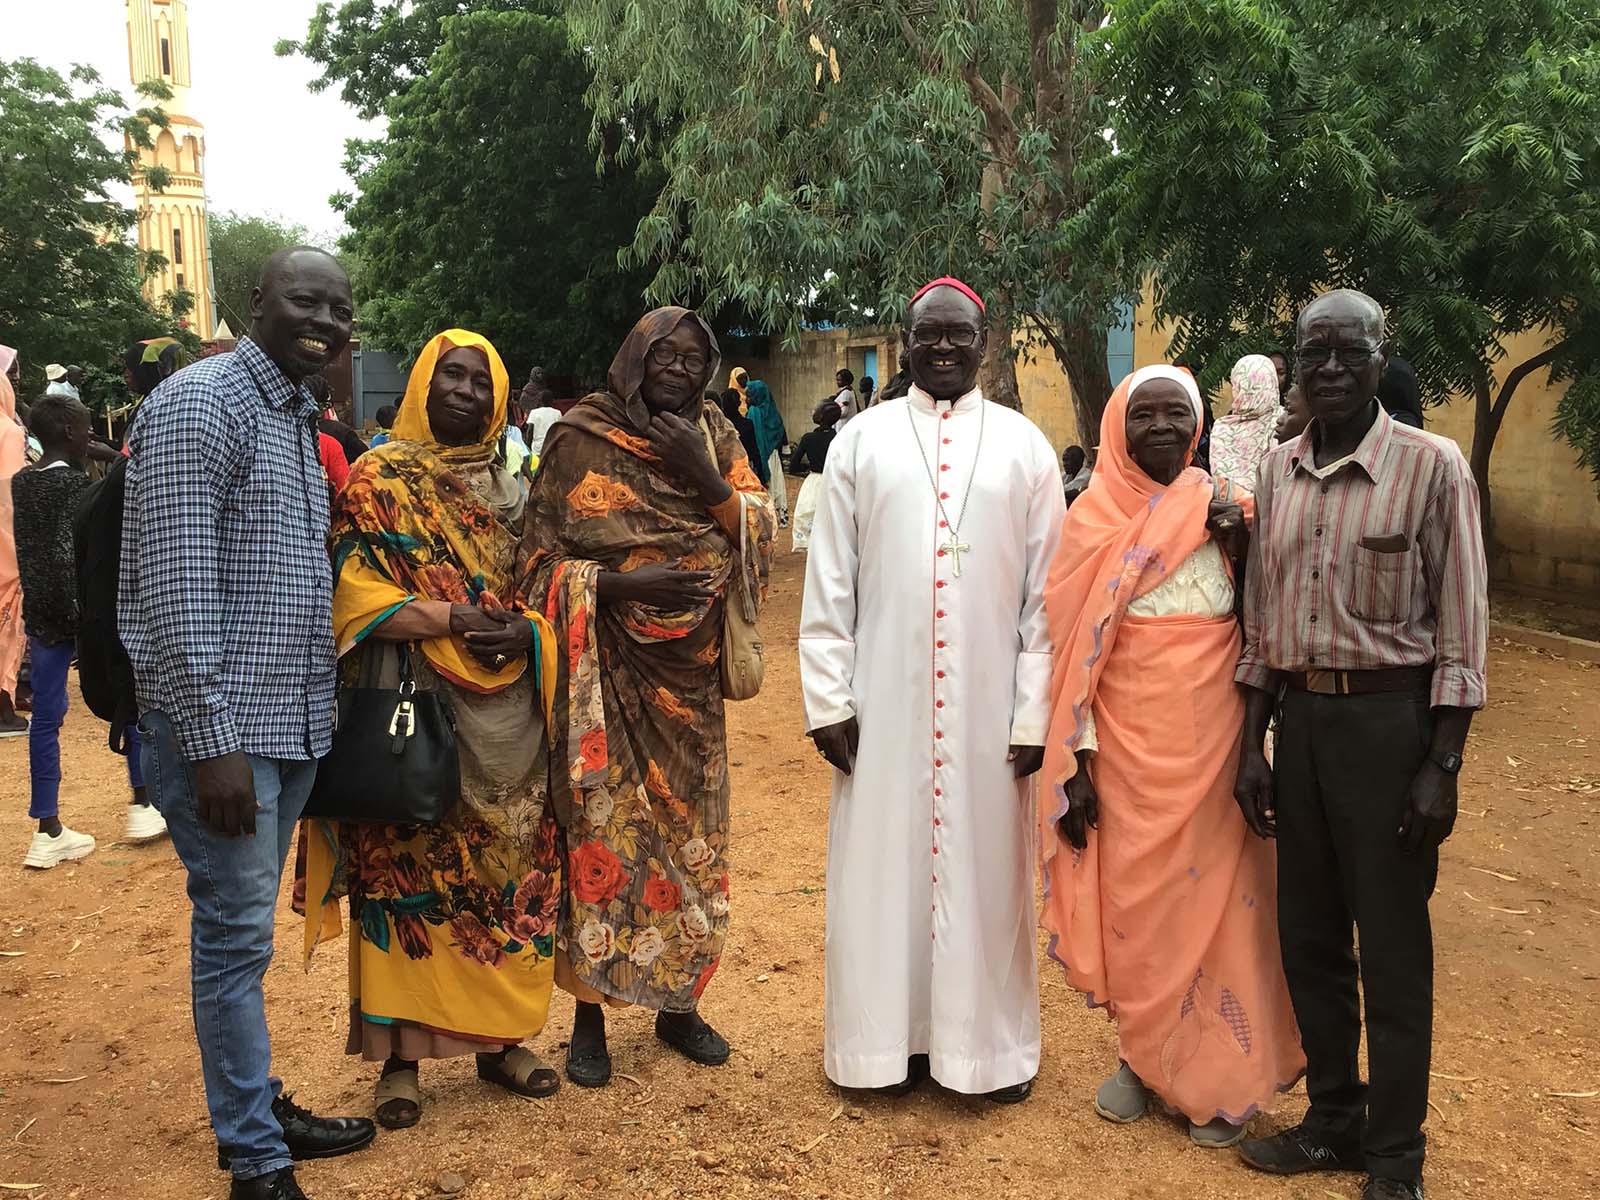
{"x":1576,"y":1095}
{"x":69,"y":1079}
{"x":813,"y":1143}
{"x":1496,"y":874}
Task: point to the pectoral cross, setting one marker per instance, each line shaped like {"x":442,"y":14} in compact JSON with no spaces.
{"x":955,"y":548}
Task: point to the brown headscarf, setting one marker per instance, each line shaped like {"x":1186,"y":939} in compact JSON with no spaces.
{"x":626,"y":375}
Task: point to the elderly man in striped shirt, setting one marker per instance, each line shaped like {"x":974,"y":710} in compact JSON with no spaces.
{"x":1366,"y":607}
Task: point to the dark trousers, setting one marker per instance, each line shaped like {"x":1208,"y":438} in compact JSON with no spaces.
{"x":1343,"y":767}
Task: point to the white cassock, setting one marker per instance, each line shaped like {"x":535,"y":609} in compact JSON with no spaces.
{"x":930,"y":920}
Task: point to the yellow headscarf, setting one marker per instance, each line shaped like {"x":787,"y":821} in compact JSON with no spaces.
{"x":412,"y":423}
{"x":738,"y":378}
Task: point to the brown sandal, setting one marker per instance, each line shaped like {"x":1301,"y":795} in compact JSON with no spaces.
{"x":399,"y":1099}
{"x":520,"y":1071}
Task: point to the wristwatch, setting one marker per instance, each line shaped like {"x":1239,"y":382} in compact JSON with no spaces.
{"x":1449,"y":763}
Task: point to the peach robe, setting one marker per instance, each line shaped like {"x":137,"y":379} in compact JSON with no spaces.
{"x":1168,"y":917}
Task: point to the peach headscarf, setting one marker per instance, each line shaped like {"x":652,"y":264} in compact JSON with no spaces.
{"x":1119,"y":540}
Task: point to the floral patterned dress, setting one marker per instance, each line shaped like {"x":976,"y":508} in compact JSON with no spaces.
{"x":638,"y":714}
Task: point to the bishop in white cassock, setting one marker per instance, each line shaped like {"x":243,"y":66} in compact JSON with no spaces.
{"x":925,"y":661}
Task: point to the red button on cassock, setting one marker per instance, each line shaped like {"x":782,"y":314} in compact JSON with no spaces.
{"x":938,"y":762}
{"x":938,"y":674}
{"x":940,"y":582}
{"x":944,"y":466}
{"x":944,"y":416}
{"x":941,"y":554}
{"x":938,"y":612}
{"x":940,"y":645}
{"x":946,"y":441}
{"x":944,"y":495}
{"x":944,"y":525}
{"x":938,"y":736}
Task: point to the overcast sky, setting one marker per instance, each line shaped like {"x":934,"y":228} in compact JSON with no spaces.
{"x":272,"y":147}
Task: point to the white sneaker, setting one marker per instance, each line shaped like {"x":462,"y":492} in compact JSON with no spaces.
{"x":145,"y":824}
{"x":69,"y":845}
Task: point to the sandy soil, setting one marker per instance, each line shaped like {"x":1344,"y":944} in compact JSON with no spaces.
{"x":100,"y":1088}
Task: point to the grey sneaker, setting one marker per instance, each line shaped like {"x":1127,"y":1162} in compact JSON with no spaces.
{"x":1123,"y":1098}
{"x":1216,"y":1134}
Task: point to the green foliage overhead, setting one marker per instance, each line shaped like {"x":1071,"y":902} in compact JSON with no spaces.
{"x":482,"y":206}
{"x":70,"y":276}
{"x":826,"y":157}
{"x":1443,"y":157}
{"x":240,"y":247}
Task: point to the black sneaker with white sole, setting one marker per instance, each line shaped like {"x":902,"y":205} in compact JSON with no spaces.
{"x":1297,"y":1151}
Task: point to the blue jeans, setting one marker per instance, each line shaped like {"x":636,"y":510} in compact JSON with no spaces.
{"x":51,"y":663}
{"x":233,"y":886}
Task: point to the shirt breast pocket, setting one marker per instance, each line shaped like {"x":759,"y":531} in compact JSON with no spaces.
{"x":1381,"y":578}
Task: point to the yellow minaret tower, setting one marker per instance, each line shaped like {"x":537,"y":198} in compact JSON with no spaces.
{"x":173,"y":220}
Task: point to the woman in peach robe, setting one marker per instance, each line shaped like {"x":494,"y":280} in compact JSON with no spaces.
{"x":1160,"y":902}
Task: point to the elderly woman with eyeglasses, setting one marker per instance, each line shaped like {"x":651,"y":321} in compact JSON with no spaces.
{"x":644,"y":509}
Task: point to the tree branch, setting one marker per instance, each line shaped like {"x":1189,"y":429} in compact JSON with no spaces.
{"x":1517,"y":374}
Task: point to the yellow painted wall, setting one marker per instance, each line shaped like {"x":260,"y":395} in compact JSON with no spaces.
{"x":1546,"y":511}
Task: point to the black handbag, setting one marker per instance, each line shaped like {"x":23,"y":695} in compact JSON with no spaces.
{"x":393,"y":760}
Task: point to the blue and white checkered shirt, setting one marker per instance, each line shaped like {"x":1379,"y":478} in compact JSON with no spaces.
{"x":225,"y":597}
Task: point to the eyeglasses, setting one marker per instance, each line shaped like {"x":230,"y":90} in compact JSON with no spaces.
{"x":1351,"y":358}
{"x":960,"y":336}
{"x":664,"y":356}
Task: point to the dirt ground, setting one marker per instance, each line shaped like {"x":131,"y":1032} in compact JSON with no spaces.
{"x":100,"y":1086}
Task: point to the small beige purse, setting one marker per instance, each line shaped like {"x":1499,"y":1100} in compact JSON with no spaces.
{"x":741,"y":662}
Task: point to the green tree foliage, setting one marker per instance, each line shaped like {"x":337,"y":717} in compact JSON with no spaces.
{"x":482,"y":207}
{"x":1443,"y":157}
{"x":826,"y":157}
{"x":70,"y":278}
{"x":240,"y":247}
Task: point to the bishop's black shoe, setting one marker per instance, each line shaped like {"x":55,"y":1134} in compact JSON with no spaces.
{"x":279,"y":1185}
{"x":310,"y":1136}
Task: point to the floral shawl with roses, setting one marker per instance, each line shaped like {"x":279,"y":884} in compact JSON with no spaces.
{"x":454,"y":924}
{"x":638,"y":716}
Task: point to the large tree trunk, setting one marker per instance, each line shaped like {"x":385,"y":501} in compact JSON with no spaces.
{"x":1081,"y":351}
{"x":1484,"y":430}
{"x":1488,"y":414}
{"x":997,"y":375}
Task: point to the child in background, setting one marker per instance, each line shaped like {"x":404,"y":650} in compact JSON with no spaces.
{"x":809,"y":458}
{"x":44,"y":498}
{"x":386,"y":415}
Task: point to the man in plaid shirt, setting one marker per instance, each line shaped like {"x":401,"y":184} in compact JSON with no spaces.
{"x":225,"y":607}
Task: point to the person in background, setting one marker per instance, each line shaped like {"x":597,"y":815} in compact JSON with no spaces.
{"x":349,"y":440}
{"x":1400,"y":394}
{"x":57,"y":382}
{"x":731,"y":402}
{"x":386,"y":421}
{"x":1366,"y":629}
{"x":13,"y":633}
{"x":739,"y":381}
{"x":899,"y":383}
{"x":1294,"y":417}
{"x":1073,"y":460}
{"x":147,"y":363}
{"x":810,"y":456}
{"x":1147,"y":857}
{"x":335,"y":467}
{"x":771,"y":438}
{"x":11,"y":366}
{"x":866,"y":387}
{"x":225,"y":591}
{"x":425,"y":537}
{"x":44,"y":498}
{"x":1280,"y":368}
{"x":385,"y":416}
{"x":635,"y":528}
{"x":537,"y":427}
{"x":1241,"y":439}
{"x":845,"y":397}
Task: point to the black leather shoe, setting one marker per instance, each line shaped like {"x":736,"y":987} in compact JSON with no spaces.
{"x":279,"y":1185}
{"x":1295,"y":1151}
{"x":1015,"y":1094}
{"x":1391,"y":1189}
{"x":310,"y":1136}
{"x":695,"y":1040}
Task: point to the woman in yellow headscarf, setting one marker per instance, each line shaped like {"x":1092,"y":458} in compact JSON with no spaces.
{"x":452,"y":925}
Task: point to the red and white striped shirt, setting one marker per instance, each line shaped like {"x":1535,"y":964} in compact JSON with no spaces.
{"x":1372,"y":562}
